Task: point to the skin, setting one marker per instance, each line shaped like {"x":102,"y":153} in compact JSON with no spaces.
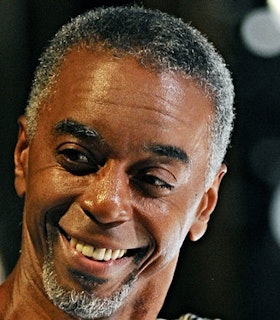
{"x":113,"y":188}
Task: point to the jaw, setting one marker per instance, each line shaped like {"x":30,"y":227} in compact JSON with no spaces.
{"x":85,"y":304}
{"x":93,"y":281}
{"x":143,"y":290}
{"x":93,"y":265}
{"x":146,"y":301}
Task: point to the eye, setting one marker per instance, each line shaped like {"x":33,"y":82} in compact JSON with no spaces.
{"x":76,"y":159}
{"x":155,"y":182}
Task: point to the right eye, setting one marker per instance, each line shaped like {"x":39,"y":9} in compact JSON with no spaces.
{"x":76,"y":159}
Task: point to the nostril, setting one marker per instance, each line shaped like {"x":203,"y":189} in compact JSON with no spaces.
{"x":103,"y":222}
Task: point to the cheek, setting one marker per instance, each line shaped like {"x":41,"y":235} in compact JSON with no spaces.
{"x":48,"y":191}
{"x":168,"y":222}
{"x":49,"y":194}
{"x":175,"y":230}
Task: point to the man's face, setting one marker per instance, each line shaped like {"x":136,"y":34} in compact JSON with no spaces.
{"x":114,"y":176}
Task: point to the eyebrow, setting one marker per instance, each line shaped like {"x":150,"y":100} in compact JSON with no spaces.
{"x":81,"y":131}
{"x":76,"y":129}
{"x":169,"y":151}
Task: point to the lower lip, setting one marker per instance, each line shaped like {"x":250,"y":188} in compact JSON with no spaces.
{"x":98,"y":269}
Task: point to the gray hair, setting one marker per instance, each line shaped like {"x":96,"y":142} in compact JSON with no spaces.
{"x":159,"y":42}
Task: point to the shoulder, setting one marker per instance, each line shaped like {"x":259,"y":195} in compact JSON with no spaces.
{"x":190,"y":316}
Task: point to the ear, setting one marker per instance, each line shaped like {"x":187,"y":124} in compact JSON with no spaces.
{"x":207,"y":206}
{"x":21,"y":157}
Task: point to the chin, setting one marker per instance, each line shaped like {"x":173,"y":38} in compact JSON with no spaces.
{"x":80,"y":303}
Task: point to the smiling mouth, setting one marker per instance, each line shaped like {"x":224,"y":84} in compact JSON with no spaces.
{"x":98,"y":254}
{"x":104,"y":254}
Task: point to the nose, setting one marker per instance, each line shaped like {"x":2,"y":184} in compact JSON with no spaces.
{"x":107,"y":198}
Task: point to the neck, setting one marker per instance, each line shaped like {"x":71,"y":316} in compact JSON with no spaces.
{"x":22,"y":297}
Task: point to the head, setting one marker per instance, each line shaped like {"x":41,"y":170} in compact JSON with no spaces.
{"x":127,"y":125}
{"x":159,"y":42}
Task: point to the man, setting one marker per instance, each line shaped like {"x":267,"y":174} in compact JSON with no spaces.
{"x":119,"y":158}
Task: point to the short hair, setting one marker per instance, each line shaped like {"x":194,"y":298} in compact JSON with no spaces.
{"x":158,"y":41}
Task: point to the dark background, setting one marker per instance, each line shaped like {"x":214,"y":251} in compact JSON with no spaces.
{"x":234,"y":271}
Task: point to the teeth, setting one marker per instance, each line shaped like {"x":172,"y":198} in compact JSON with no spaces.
{"x":73,"y":242}
{"x":115,"y":254}
{"x":79,"y":247}
{"x":108,"y":254}
{"x":95,"y":253}
{"x":87,"y":250}
{"x":98,"y":254}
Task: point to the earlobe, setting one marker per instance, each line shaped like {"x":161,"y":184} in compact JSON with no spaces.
{"x":207,"y":206}
{"x":21,"y":157}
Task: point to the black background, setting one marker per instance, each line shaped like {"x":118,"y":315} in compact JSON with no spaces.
{"x":233,"y":272}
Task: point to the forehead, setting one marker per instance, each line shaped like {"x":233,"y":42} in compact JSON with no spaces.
{"x":103,"y":72}
{"x":97,"y":88}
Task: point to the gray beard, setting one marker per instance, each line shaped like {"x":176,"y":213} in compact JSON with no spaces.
{"x":82,"y":304}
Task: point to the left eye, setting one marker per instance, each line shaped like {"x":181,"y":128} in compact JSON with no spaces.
{"x":151,"y":185}
{"x":156,"y":182}
{"x":76,"y":160}
{"x":74,"y":155}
